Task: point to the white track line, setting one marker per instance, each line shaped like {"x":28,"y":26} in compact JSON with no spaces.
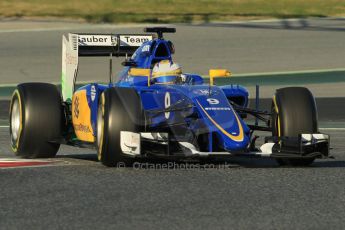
{"x":333,"y":129}
{"x":4,"y":126}
{"x":290,"y":72}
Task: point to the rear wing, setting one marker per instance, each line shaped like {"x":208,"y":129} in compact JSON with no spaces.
{"x":78,"y":45}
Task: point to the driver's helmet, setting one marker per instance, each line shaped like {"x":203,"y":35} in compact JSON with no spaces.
{"x":166,"y":72}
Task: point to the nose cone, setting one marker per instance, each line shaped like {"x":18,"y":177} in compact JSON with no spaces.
{"x":222,"y":119}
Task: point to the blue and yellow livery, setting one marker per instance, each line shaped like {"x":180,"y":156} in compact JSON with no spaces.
{"x":136,"y":117}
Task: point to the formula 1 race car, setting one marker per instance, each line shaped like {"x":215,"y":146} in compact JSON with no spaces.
{"x":166,"y":113}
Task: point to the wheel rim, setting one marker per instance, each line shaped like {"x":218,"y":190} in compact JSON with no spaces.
{"x":100,"y":127}
{"x":100,"y":122}
{"x":15,"y":121}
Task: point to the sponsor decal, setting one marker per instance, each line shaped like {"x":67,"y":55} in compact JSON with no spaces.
{"x":235,"y":137}
{"x":205,"y":92}
{"x":145,"y":48}
{"x":218,"y":108}
{"x":97,"y":40}
{"x":201,"y":91}
{"x":93,"y":92}
{"x":76,"y":107}
{"x":167,"y":104}
{"x":82,"y":128}
{"x":82,"y":116}
{"x":129,"y":40}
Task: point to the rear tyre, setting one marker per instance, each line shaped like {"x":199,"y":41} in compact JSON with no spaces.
{"x":294,"y":112}
{"x":119,"y":109}
{"x":35,"y":120}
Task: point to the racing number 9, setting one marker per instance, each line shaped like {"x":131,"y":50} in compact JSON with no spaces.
{"x":167,"y":104}
{"x":212,"y":101}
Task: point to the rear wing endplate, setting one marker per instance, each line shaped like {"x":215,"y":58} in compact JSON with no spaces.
{"x":88,"y":45}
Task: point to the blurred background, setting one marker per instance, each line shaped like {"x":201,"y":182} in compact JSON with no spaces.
{"x":265,"y":42}
{"x":170,"y":11}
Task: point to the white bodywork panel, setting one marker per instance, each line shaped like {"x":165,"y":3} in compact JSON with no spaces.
{"x":130,"y":143}
{"x":309,"y":139}
{"x":74,"y":44}
{"x":162,"y":137}
{"x":69,"y":65}
{"x":267,"y":147}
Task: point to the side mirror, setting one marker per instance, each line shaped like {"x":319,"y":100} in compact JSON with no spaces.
{"x":129,"y":63}
{"x":215,"y":73}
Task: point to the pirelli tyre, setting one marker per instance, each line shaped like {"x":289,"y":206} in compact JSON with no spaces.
{"x":294,"y":112}
{"x":120,"y":109}
{"x":35,"y":120}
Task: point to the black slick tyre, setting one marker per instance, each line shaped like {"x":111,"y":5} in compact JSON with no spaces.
{"x":35,"y":120}
{"x":294,"y":112}
{"x":119,"y":109}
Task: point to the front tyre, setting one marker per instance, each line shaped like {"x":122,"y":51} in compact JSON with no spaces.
{"x":294,"y":112}
{"x":35,"y":120}
{"x":119,"y":109}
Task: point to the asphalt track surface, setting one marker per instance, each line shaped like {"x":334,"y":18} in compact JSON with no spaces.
{"x":76,"y":191}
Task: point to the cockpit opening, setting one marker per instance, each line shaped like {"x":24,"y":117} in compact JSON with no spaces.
{"x":162,"y":51}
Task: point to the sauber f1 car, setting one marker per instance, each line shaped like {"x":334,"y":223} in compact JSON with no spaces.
{"x":139,"y":116}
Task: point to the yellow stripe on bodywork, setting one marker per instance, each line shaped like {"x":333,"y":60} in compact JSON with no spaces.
{"x":237,"y":138}
{"x":136,"y":72}
{"x":81,"y":117}
{"x":165,"y":83}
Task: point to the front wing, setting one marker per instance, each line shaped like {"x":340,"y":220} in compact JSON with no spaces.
{"x":305,"y":146}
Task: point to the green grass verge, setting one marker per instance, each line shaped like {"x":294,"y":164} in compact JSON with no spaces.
{"x":166,"y":11}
